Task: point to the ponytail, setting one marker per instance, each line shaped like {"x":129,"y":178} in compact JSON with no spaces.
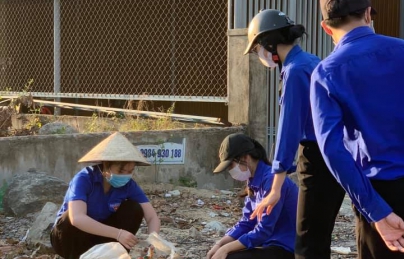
{"x":259,"y":152}
{"x":287,"y":35}
{"x":292,"y":33}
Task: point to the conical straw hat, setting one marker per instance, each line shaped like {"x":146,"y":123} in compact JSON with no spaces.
{"x":115,"y":148}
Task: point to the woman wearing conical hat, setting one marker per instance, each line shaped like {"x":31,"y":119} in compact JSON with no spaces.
{"x":103,"y":203}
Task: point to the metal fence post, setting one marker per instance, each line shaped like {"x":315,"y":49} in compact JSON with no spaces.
{"x":56,"y":51}
{"x":230,"y":17}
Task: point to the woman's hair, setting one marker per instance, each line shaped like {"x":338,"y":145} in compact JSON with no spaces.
{"x":257,"y":153}
{"x":292,"y":33}
{"x":121,"y":164}
{"x":287,"y":35}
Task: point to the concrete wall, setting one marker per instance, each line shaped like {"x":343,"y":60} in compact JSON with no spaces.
{"x":58,"y":155}
{"x":247,"y":88}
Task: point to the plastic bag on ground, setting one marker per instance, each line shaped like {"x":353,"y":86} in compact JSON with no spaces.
{"x":162,"y":247}
{"x":112,"y":250}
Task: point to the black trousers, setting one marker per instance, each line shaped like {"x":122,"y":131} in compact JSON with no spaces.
{"x":320,"y":198}
{"x":370,"y":244}
{"x":70,"y":242}
{"x":271,"y":252}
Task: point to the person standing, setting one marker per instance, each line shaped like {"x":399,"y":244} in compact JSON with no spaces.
{"x":274,"y":37}
{"x":357,"y":106}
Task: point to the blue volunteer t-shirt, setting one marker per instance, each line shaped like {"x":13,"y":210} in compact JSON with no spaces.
{"x":87,"y":186}
{"x":295,"y":121}
{"x":357,"y":106}
{"x":276,"y":229}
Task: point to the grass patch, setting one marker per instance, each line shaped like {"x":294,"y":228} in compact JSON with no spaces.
{"x":187,"y":181}
{"x":3,"y":190}
{"x":99,"y":121}
{"x":126,"y":122}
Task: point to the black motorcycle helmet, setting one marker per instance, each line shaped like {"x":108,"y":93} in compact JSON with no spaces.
{"x":265,"y":29}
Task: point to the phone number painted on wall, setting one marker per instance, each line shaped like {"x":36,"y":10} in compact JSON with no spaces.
{"x":161,"y":153}
{"x":165,"y":153}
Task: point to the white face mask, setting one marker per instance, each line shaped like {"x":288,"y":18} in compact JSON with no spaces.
{"x":239,"y":175}
{"x":266,"y":61}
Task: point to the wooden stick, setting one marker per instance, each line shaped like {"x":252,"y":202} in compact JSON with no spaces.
{"x":182,"y":117}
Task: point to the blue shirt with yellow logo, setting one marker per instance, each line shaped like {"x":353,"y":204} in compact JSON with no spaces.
{"x":87,"y":186}
{"x":276,"y":229}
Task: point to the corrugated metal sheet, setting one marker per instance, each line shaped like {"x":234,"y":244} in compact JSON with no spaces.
{"x":387,"y":20}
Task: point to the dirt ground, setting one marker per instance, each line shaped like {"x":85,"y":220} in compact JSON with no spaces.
{"x":184,"y":219}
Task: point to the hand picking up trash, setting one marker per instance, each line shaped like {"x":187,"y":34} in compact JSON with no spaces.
{"x":104,"y":204}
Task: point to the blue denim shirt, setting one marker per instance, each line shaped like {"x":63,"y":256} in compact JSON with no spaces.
{"x":295,"y":121}
{"x":357,"y":100}
{"x":276,"y":229}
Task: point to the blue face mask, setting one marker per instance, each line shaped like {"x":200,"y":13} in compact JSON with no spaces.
{"x":118,"y":180}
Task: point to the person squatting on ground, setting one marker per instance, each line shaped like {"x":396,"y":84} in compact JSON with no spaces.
{"x":274,"y":37}
{"x":357,"y":105}
{"x":272,"y":237}
{"x":103,"y":203}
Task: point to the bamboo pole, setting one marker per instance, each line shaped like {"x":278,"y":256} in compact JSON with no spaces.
{"x":181,"y":117}
{"x":4,"y":101}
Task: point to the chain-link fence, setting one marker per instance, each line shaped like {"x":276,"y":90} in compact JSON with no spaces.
{"x":26,"y":44}
{"x":124,"y":49}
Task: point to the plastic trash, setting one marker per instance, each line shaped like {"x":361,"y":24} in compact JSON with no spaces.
{"x":341,"y":249}
{"x":212,"y":214}
{"x":112,"y":250}
{"x":175,"y":193}
{"x":226,"y":192}
{"x":162,"y":247}
{"x":200,"y":203}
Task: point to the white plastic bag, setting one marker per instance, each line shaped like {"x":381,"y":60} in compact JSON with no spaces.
{"x":162,"y":246}
{"x":112,"y":250}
